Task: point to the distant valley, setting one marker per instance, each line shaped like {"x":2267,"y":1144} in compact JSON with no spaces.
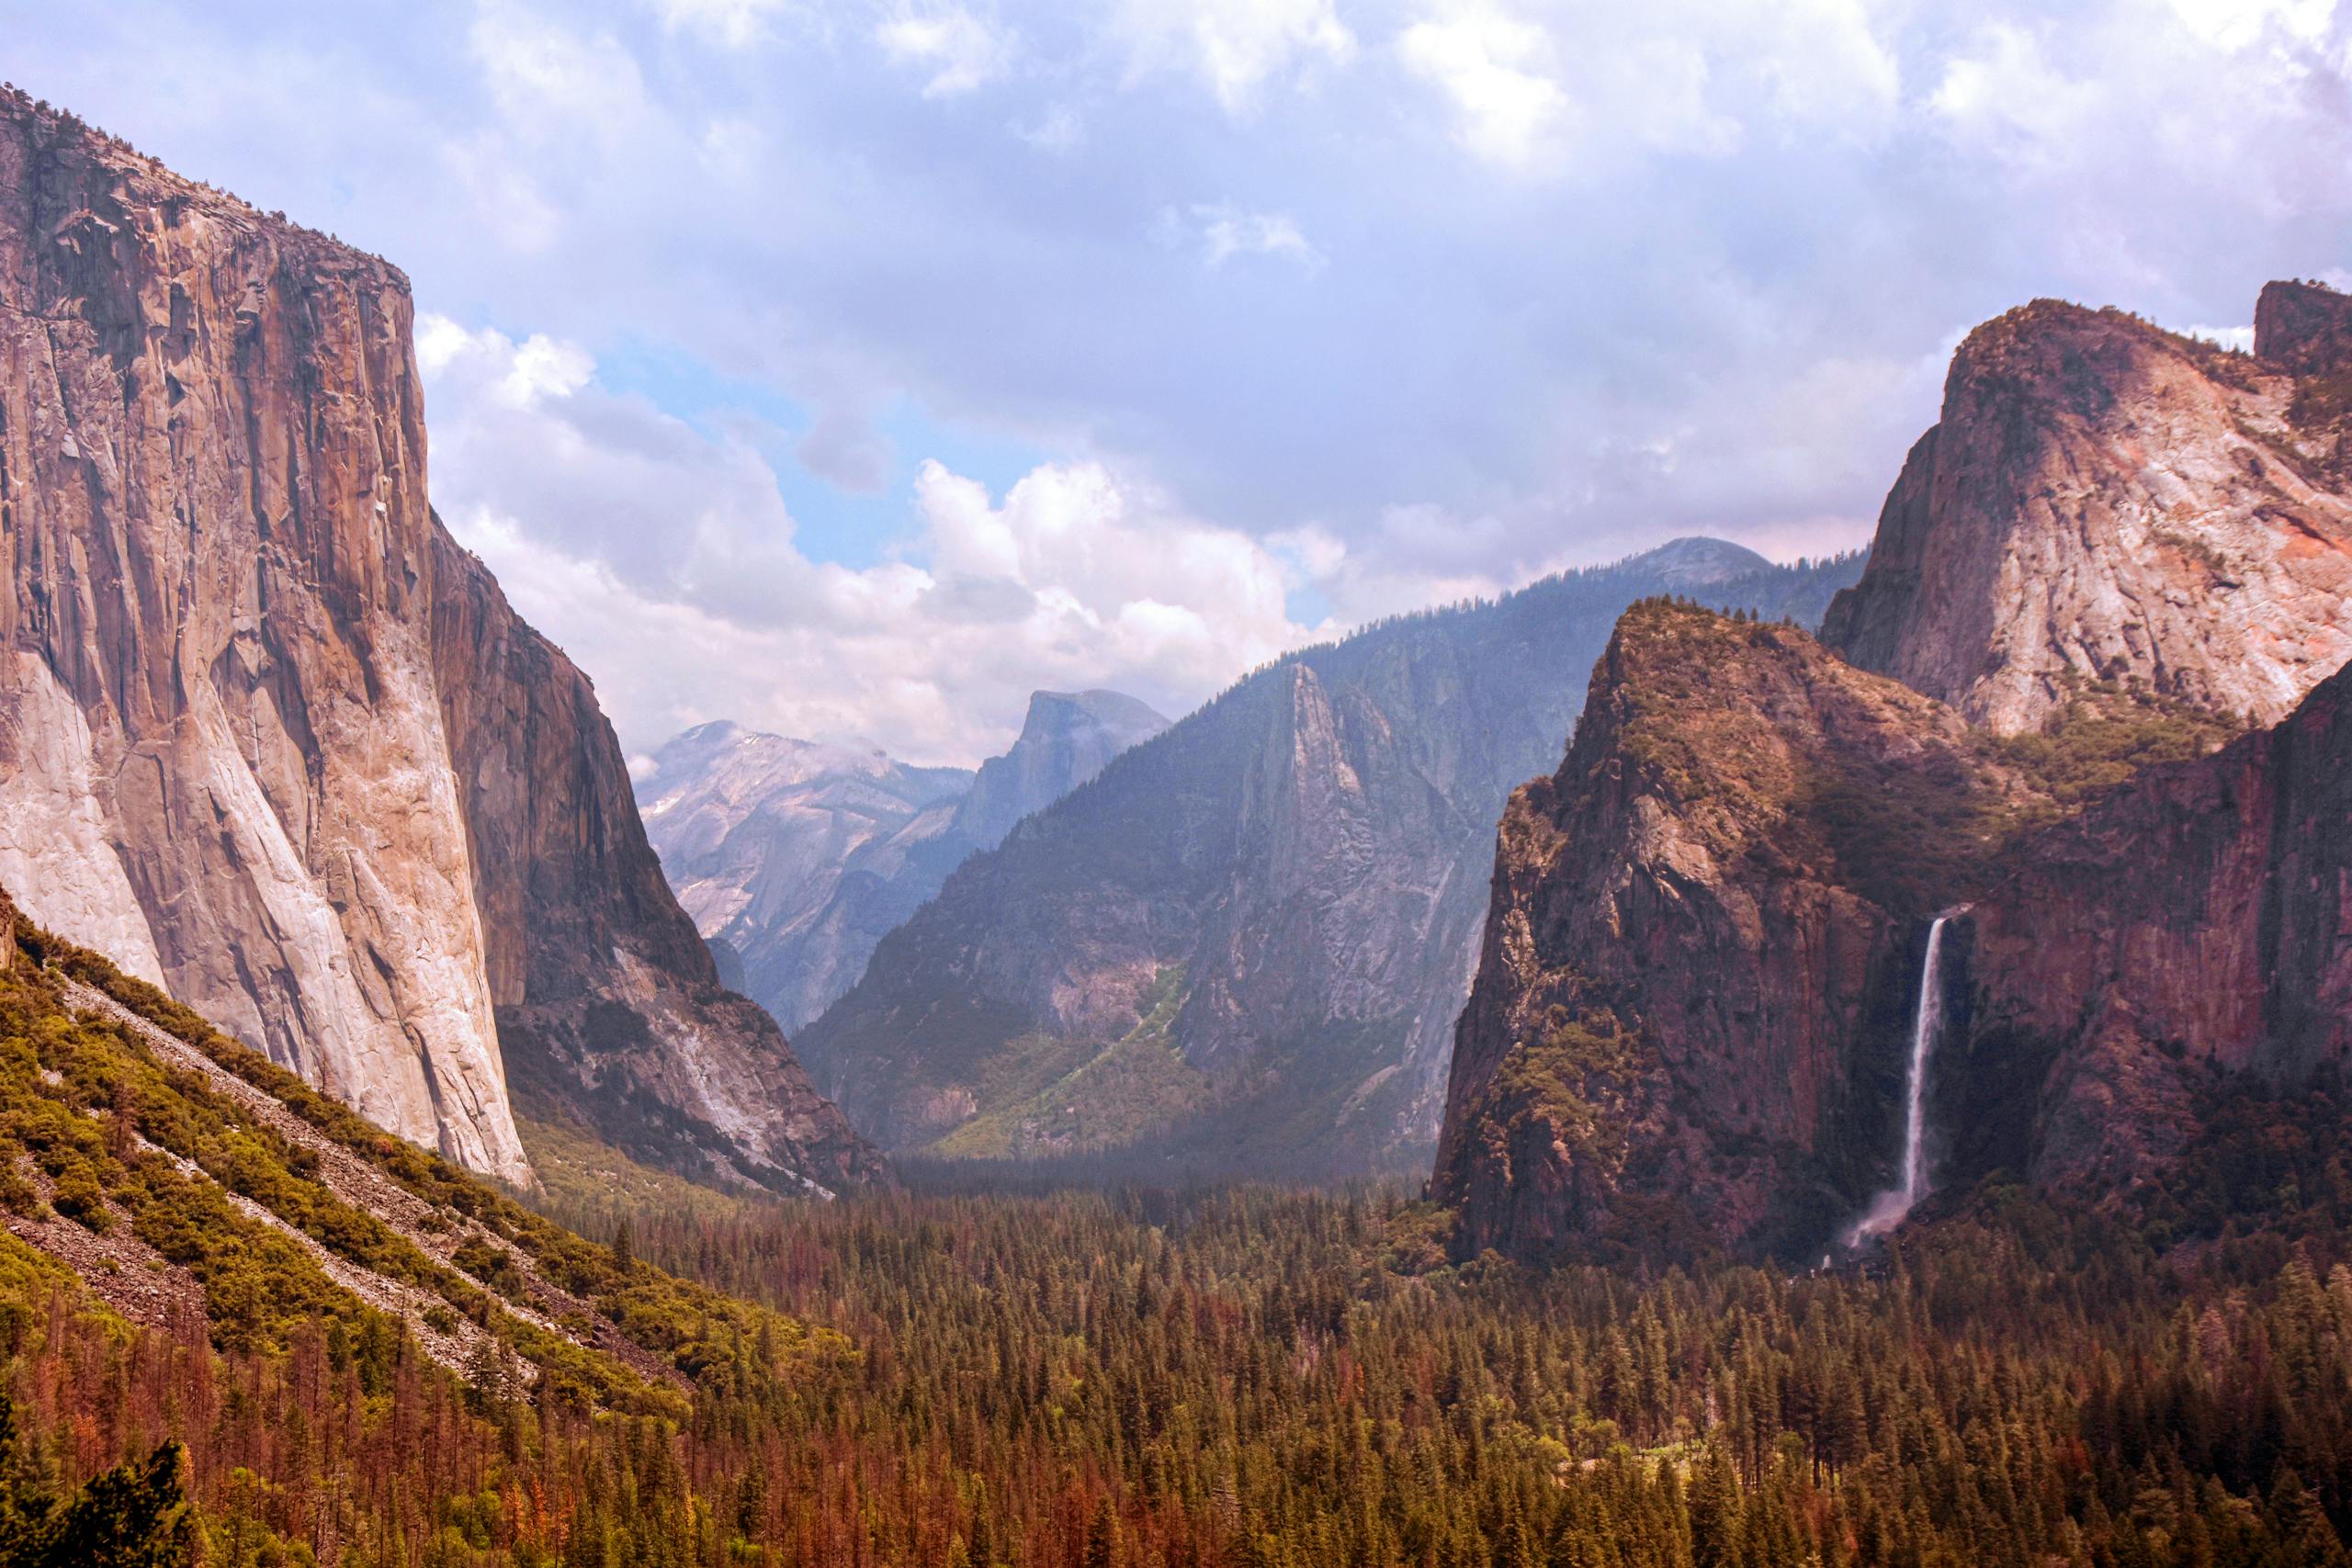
{"x":795,"y":858}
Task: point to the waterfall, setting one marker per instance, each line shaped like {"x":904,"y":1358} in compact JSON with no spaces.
{"x":1889,"y":1207}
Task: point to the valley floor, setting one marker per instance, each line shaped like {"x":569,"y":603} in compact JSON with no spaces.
{"x":1263,"y":1377}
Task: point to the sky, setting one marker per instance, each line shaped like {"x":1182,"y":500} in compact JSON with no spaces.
{"x":850,"y":368}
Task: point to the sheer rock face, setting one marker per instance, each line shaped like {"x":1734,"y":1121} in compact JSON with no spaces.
{"x":1691,"y":994}
{"x":1296,"y":873}
{"x":798,"y":857}
{"x":608,"y":1003}
{"x":2200,"y":919}
{"x":2101,"y":500}
{"x":1068,"y":737}
{"x":229,"y":755}
{"x":220,"y":751}
{"x":1701,"y":967}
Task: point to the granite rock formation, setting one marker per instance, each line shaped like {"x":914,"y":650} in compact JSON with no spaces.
{"x":1697,"y":971}
{"x":2115,"y":549}
{"x":2103,"y":501}
{"x":246,"y":744}
{"x":2194,"y":925}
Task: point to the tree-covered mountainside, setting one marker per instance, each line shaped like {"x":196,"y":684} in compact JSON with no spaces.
{"x":184,"y":1179}
{"x":1304,"y":861}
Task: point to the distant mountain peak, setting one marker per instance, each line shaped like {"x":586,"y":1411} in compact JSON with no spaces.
{"x":1696,"y":561}
{"x":797,"y":855}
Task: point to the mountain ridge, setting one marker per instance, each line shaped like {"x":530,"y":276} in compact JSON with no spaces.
{"x":1306,"y":850}
{"x":796,"y":857}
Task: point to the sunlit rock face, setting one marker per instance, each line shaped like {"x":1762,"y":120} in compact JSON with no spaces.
{"x":2102,"y":500}
{"x":267,"y":735}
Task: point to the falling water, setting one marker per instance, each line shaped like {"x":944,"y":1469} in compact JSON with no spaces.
{"x":1889,"y":1208}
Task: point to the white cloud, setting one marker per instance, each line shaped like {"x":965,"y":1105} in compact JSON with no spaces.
{"x":1235,"y":46}
{"x":664,"y":561}
{"x":738,"y":24}
{"x":1508,"y":108}
{"x":2235,"y":24}
{"x":2239,"y":338}
{"x":1060,"y":130}
{"x":961,"y":52}
{"x":548,"y":81}
{"x":1226,"y":231}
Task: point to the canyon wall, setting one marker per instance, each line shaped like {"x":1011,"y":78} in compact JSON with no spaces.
{"x":268,"y":737}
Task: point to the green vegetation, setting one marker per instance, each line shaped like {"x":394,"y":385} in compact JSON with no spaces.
{"x":1250,"y":1377}
{"x":120,"y":1137}
{"x":1895,"y":797}
{"x":2106,"y":732}
{"x":1126,"y":1090}
{"x":134,"y":1516}
{"x":1576,"y":1076}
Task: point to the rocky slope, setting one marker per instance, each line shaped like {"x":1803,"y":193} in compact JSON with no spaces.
{"x":795,"y":858}
{"x":1693,"y":1002}
{"x":609,"y":1007}
{"x":189,"y":1182}
{"x":1692,"y":1018}
{"x":268,"y":735}
{"x":1247,"y":940}
{"x":2104,"y":501}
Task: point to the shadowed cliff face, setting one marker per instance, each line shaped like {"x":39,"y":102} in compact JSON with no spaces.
{"x":2197,"y":921}
{"x":609,"y":1006}
{"x":798,"y":857}
{"x":1695,"y":990}
{"x":2102,"y":500}
{"x":244,"y":745}
{"x":1246,"y":942}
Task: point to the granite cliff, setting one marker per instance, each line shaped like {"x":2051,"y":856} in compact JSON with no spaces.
{"x":2193,"y":928}
{"x":271,"y":739}
{"x":1244,"y":944}
{"x":1689,"y":1026}
{"x":1689,"y":1017}
{"x":2105,"y":500}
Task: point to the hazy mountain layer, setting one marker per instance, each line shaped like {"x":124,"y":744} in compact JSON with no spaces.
{"x":795,"y":858}
{"x":1247,"y":940}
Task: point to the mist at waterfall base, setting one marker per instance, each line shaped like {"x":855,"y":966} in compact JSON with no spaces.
{"x":1891,"y":1207}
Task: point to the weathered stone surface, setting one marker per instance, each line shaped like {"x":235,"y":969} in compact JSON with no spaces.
{"x":221,"y":756}
{"x":2102,"y":500}
{"x":245,"y":744}
{"x":1693,"y":990}
{"x":1303,"y":861}
{"x":2200,"y":919}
